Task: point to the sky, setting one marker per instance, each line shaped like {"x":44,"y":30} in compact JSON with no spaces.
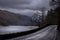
{"x":26,"y":7}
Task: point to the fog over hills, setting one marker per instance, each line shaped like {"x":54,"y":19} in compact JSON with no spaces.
{"x":9,"y":18}
{"x":18,"y":7}
{"x":26,"y":7}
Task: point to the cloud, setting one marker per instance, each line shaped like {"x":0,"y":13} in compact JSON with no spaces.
{"x":27,"y":12}
{"x":24,"y":4}
{"x":26,"y":7}
{"x":13,"y":3}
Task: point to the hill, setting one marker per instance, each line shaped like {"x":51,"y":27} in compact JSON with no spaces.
{"x":9,"y":18}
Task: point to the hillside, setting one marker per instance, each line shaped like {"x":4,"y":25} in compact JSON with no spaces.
{"x":8,"y":18}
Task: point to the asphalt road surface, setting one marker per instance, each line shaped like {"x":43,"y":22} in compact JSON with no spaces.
{"x":48,"y":33}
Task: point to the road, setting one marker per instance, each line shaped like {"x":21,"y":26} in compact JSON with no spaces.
{"x":48,"y":33}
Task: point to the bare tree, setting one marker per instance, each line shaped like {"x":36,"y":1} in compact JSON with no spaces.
{"x":36,"y":18}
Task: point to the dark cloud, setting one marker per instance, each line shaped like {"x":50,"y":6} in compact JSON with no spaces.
{"x":26,"y":7}
{"x":24,"y":4}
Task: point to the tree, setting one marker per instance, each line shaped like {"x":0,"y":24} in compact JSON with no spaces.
{"x":57,"y":10}
{"x":37,"y":18}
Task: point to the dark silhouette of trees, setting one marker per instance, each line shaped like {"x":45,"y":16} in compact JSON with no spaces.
{"x":57,"y":10}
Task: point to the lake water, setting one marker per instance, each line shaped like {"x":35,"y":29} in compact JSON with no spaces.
{"x":14,"y":29}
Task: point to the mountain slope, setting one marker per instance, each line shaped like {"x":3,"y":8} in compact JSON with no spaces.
{"x":8,"y":18}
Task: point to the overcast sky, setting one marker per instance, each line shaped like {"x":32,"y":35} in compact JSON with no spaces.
{"x":23,"y":6}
